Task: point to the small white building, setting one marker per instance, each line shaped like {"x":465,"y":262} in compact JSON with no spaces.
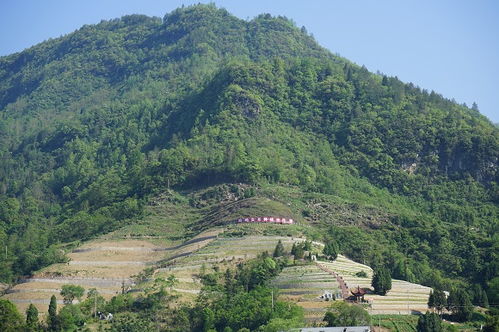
{"x":327,"y":296}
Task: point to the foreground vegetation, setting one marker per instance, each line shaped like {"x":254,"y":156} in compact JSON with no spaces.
{"x":233,"y":298}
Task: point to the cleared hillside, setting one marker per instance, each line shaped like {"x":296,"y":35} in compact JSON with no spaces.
{"x":112,"y":266}
{"x":109,"y":266}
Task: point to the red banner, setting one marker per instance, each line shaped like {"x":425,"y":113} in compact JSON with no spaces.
{"x":275,"y":220}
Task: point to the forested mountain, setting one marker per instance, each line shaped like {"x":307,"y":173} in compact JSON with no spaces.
{"x":95,"y":123}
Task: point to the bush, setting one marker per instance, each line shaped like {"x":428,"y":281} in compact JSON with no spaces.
{"x":70,"y":292}
{"x":343,"y":314}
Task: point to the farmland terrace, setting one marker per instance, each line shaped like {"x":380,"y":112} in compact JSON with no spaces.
{"x":111,"y":265}
{"x":106,"y":265}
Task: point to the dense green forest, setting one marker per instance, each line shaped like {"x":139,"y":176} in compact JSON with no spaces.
{"x":96,"y":123}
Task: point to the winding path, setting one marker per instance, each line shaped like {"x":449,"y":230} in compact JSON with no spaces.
{"x":343,"y":286}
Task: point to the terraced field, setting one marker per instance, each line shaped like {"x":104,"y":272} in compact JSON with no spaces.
{"x":107,"y":265}
{"x":403,"y":298}
{"x":305,"y":285}
{"x":110,"y":264}
{"x":225,"y":251}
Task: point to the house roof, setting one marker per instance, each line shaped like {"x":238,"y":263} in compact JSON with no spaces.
{"x":358,"y":291}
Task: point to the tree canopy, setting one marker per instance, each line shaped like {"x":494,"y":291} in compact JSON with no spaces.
{"x":382,"y":281}
{"x":344,"y":314}
{"x":10,"y":319}
{"x":429,"y":322}
{"x":331,"y":249}
{"x":70,"y":292}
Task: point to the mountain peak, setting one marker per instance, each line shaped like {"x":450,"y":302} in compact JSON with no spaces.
{"x":95,"y":123}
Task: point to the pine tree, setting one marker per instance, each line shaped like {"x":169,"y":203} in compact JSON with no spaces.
{"x":299,"y":252}
{"x":230,"y":282}
{"x":32,"y":318}
{"x":279,"y":249}
{"x":460,"y":304}
{"x":382,"y":281}
{"x":384,"y":81}
{"x":480,"y":296}
{"x":429,"y":322}
{"x":485,"y":300}
{"x":52,"y":321}
{"x":331,"y":249}
{"x":431,"y":300}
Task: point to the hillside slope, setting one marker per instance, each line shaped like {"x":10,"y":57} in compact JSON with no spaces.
{"x":99,"y":123}
{"x":112,"y":265}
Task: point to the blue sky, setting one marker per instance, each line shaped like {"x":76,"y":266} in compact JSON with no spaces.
{"x":450,"y":46}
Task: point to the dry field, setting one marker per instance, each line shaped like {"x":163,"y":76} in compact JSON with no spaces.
{"x":107,"y":265}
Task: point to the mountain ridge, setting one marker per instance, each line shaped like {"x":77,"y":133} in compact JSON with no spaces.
{"x":95,"y":123}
